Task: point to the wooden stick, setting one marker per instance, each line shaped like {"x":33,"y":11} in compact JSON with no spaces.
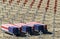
{"x":18,"y":1}
{"x":32,"y":3}
{"x":10,"y":1}
{"x":55,"y":9}
{"x":30,"y":6}
{"x":39,"y":4}
{"x":47,"y":5}
{"x":45,"y":11}
{"x":25,"y":2}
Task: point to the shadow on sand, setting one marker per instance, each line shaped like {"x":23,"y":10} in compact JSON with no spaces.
{"x":33,"y":34}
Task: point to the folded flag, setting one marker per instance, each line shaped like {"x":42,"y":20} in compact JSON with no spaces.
{"x":10,"y":28}
{"x":24,"y":28}
{"x":37,"y":26}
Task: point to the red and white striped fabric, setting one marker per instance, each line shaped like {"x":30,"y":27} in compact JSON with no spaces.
{"x":19,"y":24}
{"x":32,"y":23}
{"x":6,"y":26}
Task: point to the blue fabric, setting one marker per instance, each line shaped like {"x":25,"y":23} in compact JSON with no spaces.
{"x":14,"y":30}
{"x":38,"y":27}
{"x":26,"y":29}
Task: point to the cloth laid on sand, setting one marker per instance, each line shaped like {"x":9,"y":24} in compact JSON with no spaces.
{"x":37,"y":26}
{"x":10,"y":28}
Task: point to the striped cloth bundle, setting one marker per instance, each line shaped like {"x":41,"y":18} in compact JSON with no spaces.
{"x":19,"y":28}
{"x":24,"y":28}
{"x":36,"y":26}
{"x":10,"y":28}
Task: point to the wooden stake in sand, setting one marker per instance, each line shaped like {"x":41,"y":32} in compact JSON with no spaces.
{"x":23,"y":18}
{"x":18,"y":1}
{"x":21,"y":6}
{"x":10,"y":1}
{"x":32,"y":3}
{"x":45,"y":11}
{"x":25,"y":2}
{"x":38,"y":7}
{"x":55,"y":9}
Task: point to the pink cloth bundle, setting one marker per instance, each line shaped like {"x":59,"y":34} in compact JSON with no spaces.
{"x":20,"y":24}
{"x":6,"y":26}
{"x":32,"y":23}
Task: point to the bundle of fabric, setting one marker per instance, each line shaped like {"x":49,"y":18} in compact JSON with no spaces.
{"x":24,"y":28}
{"x":37,"y":27}
{"x":10,"y":28}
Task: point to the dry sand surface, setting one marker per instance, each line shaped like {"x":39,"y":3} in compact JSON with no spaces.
{"x":8,"y":14}
{"x":43,"y":36}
